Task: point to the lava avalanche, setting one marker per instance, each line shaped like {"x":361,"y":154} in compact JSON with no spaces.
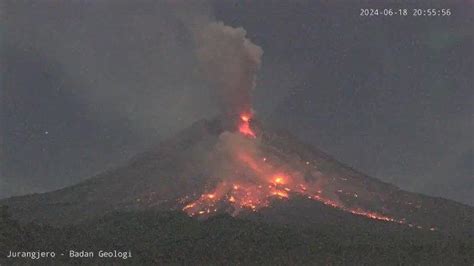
{"x":244,"y":126}
{"x":245,"y":173}
{"x":249,"y":176}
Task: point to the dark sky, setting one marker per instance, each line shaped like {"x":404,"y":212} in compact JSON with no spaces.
{"x":87,"y":84}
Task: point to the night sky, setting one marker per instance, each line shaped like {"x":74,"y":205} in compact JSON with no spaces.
{"x":88,"y":84}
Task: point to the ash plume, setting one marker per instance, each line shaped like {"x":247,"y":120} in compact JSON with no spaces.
{"x":229,"y":61}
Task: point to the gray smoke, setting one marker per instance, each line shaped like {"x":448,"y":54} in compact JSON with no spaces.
{"x":229,"y":61}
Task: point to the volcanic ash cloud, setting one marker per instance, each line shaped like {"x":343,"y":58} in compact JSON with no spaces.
{"x":229,"y":61}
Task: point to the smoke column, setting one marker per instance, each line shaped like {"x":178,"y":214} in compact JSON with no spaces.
{"x":229,"y":61}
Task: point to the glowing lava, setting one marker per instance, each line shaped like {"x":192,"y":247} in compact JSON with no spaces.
{"x":258,"y":178}
{"x":255,"y":195}
{"x":279,"y":179}
{"x":244,"y":126}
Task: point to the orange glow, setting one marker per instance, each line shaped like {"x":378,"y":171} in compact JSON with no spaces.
{"x":189,"y":206}
{"x":278,"y":179}
{"x":268,"y":180}
{"x":257,"y":194}
{"x":280,"y":193}
{"x":260,"y":179}
{"x":374,"y":215}
{"x":244,"y":126}
{"x":251,"y":163}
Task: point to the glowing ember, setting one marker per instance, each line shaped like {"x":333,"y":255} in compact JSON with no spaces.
{"x":260,"y":179}
{"x":189,"y":206}
{"x":244,"y":126}
{"x":279,"y":180}
{"x":376,"y":216}
{"x":252,"y":197}
{"x":280,"y":193}
{"x":258,"y":192}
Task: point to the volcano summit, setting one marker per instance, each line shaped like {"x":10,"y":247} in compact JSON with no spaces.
{"x":209,"y":169}
{"x":234,"y":190}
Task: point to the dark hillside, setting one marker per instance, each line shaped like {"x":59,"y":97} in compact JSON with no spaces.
{"x":174,"y":238}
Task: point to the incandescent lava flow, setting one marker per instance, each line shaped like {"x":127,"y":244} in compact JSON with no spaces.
{"x":246,"y":173}
{"x":244,"y":125}
{"x":255,"y":176}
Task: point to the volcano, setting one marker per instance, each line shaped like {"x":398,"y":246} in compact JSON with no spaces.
{"x":250,"y":171}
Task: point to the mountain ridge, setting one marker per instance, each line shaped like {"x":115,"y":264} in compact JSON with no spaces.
{"x":172,"y":173}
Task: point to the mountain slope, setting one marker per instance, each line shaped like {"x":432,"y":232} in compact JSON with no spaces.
{"x":177,"y":172}
{"x":170,"y":238}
